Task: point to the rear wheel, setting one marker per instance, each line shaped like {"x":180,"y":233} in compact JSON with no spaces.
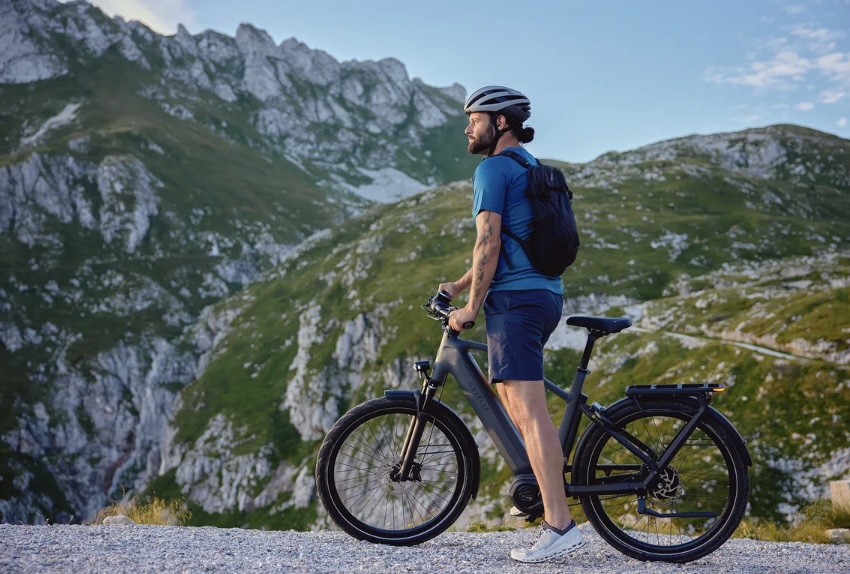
{"x":357,"y":473}
{"x":694,"y":504}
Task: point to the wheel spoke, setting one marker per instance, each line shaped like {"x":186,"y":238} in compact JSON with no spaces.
{"x":704,"y":475}
{"x":361,"y":487}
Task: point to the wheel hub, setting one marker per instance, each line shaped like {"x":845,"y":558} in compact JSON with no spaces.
{"x":667,"y":484}
{"x":391,"y":483}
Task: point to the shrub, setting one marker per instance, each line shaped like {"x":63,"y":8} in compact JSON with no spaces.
{"x":151,"y":510}
{"x":810,"y":526}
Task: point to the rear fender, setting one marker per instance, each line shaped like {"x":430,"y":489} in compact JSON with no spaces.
{"x":646,"y":403}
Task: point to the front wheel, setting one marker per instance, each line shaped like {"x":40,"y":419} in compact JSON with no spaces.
{"x":357,"y":473}
{"x":694,"y":504}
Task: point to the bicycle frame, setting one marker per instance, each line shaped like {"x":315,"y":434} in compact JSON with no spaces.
{"x":401,"y":469}
{"x":454,"y":358}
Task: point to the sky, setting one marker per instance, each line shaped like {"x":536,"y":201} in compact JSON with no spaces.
{"x":601,"y":75}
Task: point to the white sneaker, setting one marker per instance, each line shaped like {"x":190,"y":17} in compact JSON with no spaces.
{"x":550,"y":544}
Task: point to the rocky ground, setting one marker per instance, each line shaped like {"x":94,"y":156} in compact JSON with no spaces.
{"x":139,"y":549}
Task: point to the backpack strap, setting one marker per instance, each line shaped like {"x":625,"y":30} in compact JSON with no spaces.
{"x":516,"y":157}
{"x":527,"y":165}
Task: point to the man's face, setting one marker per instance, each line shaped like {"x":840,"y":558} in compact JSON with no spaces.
{"x":480,"y":133}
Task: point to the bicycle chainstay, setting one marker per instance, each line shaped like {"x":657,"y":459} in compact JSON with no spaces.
{"x":612,"y":496}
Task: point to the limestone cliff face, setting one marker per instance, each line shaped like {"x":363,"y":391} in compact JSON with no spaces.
{"x":143,"y":179}
{"x":211,"y":469}
{"x":340,"y":121}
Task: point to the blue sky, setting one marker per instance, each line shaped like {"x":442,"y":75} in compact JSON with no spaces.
{"x":601,"y":75}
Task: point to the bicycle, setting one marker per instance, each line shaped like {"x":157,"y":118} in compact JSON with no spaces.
{"x":660,"y":474}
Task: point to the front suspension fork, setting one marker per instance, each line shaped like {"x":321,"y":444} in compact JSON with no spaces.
{"x":417,"y":424}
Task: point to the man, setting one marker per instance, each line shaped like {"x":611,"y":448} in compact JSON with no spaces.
{"x":521,"y":306}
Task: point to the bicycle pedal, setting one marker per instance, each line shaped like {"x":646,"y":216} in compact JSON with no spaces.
{"x":529,"y":517}
{"x":517,"y":513}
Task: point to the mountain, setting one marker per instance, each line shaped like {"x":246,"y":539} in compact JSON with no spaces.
{"x":213,"y":246}
{"x":730,"y":252}
{"x":143,"y":178}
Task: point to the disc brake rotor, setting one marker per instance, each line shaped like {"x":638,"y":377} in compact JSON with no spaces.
{"x":395,"y":487}
{"x":666,"y":485}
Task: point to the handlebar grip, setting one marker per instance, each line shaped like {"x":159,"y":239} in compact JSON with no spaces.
{"x":441,"y":304}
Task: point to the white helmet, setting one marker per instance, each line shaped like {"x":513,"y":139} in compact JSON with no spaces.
{"x":499,"y":99}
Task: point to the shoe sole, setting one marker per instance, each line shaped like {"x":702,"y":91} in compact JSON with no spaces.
{"x":559,"y":553}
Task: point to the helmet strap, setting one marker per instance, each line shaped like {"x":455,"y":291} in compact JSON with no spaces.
{"x":499,"y":133}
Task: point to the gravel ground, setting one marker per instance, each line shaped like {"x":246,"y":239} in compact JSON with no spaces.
{"x":137,"y":549}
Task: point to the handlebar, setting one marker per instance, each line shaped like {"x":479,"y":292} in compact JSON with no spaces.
{"x":439,"y":308}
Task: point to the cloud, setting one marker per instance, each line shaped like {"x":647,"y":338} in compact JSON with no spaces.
{"x":162,"y":16}
{"x":784,"y":69}
{"x":805,"y":106}
{"x":832,"y":96}
{"x":842,"y":122}
{"x":818,"y":40}
{"x":805,"y":55}
{"x":836,"y":65}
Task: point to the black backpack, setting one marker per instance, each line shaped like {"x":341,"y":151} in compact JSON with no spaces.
{"x":553,"y":243}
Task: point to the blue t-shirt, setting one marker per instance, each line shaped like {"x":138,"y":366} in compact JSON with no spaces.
{"x":499,"y":186}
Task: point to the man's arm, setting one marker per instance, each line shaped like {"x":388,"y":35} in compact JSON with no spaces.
{"x":485,"y":258}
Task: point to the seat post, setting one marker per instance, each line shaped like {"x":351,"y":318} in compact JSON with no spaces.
{"x":592,"y":337}
{"x":569,"y":423}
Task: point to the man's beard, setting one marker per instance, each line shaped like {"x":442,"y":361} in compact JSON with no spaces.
{"x":482,"y":145}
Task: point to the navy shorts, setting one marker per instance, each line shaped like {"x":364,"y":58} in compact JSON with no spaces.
{"x":518,"y":325}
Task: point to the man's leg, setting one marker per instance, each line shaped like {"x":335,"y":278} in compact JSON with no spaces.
{"x":525,"y":402}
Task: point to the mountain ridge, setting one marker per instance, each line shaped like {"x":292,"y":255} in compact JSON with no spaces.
{"x":360,"y":347}
{"x":206,"y":266}
{"x":349,"y":327}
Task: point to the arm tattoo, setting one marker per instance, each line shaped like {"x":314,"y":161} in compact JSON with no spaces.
{"x":483,"y":263}
{"x":484,"y":238}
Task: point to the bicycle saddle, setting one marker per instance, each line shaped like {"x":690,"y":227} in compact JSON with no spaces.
{"x":606,"y":325}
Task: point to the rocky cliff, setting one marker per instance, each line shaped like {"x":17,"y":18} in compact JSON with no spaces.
{"x":143,"y":178}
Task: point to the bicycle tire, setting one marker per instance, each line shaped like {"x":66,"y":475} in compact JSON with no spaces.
{"x":707,"y":474}
{"x":356,"y":459}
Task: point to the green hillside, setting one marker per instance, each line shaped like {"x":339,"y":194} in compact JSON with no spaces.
{"x":692,"y":249}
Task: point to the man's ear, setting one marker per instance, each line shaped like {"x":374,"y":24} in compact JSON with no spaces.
{"x":501,"y":122}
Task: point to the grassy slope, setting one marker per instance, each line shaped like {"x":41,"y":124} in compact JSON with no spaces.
{"x":199,"y":170}
{"x":792,"y":411}
{"x":404,"y":251}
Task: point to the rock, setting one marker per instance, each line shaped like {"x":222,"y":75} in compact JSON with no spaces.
{"x":840,"y":490}
{"x":119,"y":519}
{"x":839,"y":535}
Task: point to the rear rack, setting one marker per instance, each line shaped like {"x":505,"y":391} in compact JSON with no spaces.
{"x":675,"y":389}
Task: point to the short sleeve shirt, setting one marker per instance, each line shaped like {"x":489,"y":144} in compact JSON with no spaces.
{"x":499,"y":186}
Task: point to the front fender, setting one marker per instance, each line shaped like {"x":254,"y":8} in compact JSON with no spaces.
{"x":446,"y":413}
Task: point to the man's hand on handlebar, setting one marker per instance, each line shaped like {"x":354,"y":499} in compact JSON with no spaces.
{"x":451,"y":289}
{"x":439,"y":307}
{"x":460,"y":317}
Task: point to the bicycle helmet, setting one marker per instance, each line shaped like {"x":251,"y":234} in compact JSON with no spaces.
{"x":499,"y":99}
